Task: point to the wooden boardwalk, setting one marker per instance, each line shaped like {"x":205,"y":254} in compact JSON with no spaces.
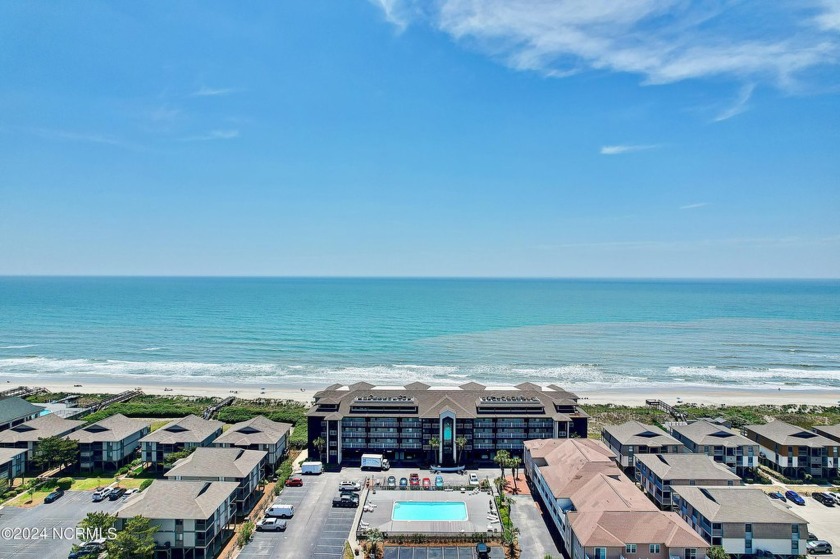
{"x":667,"y":408}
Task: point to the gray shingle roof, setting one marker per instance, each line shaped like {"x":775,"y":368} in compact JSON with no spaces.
{"x":7,"y":454}
{"x":637,"y":433}
{"x":790,"y":435}
{"x":165,"y":499}
{"x":706,"y":433}
{"x":830,"y":431}
{"x":189,"y":429}
{"x":736,"y":504}
{"x":464,"y":399}
{"x":258,"y":430}
{"x":39,"y":428}
{"x":114,"y":428}
{"x":13,"y":408}
{"x":698,"y":467}
{"x":215,"y":462}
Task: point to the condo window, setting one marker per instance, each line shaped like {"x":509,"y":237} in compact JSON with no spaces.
{"x":600,"y":553}
{"x":690,"y":553}
{"x":654,"y":548}
{"x":630,"y":548}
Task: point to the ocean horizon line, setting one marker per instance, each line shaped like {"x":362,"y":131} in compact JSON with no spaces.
{"x":430,"y":277}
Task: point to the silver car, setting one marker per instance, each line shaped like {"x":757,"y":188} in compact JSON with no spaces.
{"x":271,"y":525}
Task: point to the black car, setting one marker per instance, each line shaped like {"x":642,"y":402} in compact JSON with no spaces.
{"x":116,"y":493}
{"x":345,"y":501}
{"x":54,"y":496}
{"x":823,"y":498}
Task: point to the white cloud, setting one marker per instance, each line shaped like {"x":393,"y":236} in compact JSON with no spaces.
{"x":829,"y":18}
{"x":74,"y":136}
{"x":213,"y":135}
{"x":694,"y":206}
{"x":661,"y":40}
{"x":205,"y":91}
{"x":620,"y":149}
{"x":740,"y":104}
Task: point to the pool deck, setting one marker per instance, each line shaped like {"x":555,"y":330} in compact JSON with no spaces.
{"x":478,"y":507}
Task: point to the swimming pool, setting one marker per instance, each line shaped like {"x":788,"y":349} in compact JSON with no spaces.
{"x":414,"y":510}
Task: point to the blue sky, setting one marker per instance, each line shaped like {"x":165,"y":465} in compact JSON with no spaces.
{"x":644,"y":138}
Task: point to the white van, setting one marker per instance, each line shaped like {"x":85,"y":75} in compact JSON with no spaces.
{"x":281,"y":511}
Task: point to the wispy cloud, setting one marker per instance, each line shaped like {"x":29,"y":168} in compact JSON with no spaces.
{"x":396,"y":12}
{"x":663,"y":41}
{"x":213,"y":135}
{"x":740,"y":104}
{"x":164,"y":114}
{"x":621,"y":149}
{"x":790,"y":241}
{"x":205,"y":91}
{"x":75,"y":136}
{"x":694,"y":206}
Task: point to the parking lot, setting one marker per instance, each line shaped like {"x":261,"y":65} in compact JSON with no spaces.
{"x":63,"y":514}
{"x":823,"y":521}
{"x":317,"y":530}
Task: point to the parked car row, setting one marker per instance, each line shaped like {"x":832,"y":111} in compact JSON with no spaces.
{"x":112,"y":493}
{"x":414,"y":482}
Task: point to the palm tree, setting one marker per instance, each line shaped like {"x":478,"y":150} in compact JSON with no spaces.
{"x":509,"y":537}
{"x":434,"y":442}
{"x":320,"y":444}
{"x":460,"y":443}
{"x":374,"y":536}
{"x":514,"y":464}
{"x":502,"y":458}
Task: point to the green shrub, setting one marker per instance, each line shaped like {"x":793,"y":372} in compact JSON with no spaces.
{"x":64,"y":483}
{"x":300,"y":437}
{"x":146,"y":483}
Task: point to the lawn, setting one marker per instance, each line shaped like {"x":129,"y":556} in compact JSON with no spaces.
{"x":79,"y":484}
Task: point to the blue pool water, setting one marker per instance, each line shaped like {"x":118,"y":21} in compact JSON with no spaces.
{"x":410,"y":510}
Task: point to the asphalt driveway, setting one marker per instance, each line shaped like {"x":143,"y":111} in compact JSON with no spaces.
{"x":46,"y":531}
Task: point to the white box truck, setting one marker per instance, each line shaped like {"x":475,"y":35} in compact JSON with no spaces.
{"x":311,"y":468}
{"x":374,"y":462}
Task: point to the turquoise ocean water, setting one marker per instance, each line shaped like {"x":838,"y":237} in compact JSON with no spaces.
{"x":311,"y":332}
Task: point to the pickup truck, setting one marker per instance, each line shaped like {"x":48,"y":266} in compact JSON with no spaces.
{"x":346,"y":500}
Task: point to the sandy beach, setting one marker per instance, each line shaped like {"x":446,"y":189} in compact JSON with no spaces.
{"x":625,"y":396}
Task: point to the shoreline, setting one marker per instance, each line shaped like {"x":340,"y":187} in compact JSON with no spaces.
{"x":628,"y":396}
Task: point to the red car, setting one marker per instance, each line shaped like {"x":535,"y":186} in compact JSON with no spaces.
{"x":414,"y":480}
{"x":427,"y":483}
{"x":294,"y":482}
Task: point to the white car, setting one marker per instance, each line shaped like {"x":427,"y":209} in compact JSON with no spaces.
{"x":271,"y":525}
{"x":101,"y":494}
{"x":473,"y":479}
{"x":349,"y":486}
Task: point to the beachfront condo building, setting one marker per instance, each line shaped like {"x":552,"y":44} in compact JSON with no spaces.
{"x":726,"y":446}
{"x":742,"y":520}
{"x":27,"y":435}
{"x":795,"y":452}
{"x":259,"y":433}
{"x":632,"y":438}
{"x":12,"y":464}
{"x":15,"y":410}
{"x":440,"y":425}
{"x":193,"y":518}
{"x":658,"y":474}
{"x":245,"y":467}
{"x":597,"y":510}
{"x":829,"y":432}
{"x":109,"y":444}
{"x":178,"y":435}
